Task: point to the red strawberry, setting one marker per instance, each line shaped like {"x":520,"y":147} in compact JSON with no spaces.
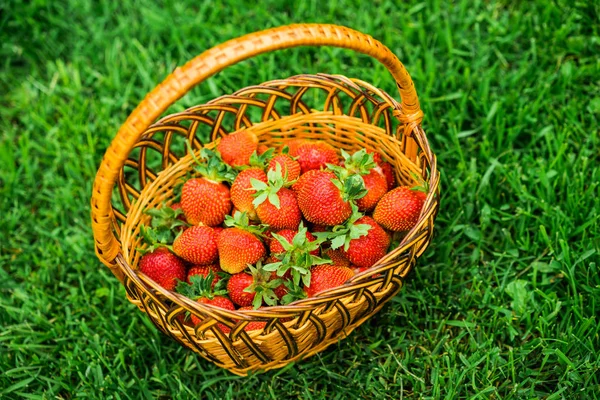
{"x":261,"y":149}
{"x":253,"y":288}
{"x":286,"y":216}
{"x":388,"y":172}
{"x":200,"y":288}
{"x":205,"y":201}
{"x":366,"y":250}
{"x":320,"y":200}
{"x":242,"y":193}
{"x":163,"y":267}
{"x":236,"y":286}
{"x":313,"y":155}
{"x":238,"y":248}
{"x":276,"y":205}
{"x":276,"y":247}
{"x":217,"y":301}
{"x":325,"y":277}
{"x":376,"y":156}
{"x":337,"y":257}
{"x":197,"y":245}
{"x":288,"y":165}
{"x":254,"y":325}
{"x":399,"y":209}
{"x":376,"y":185}
{"x":204,"y":270}
{"x":236,"y":148}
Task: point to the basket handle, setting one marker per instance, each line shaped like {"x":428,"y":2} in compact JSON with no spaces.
{"x":207,"y":64}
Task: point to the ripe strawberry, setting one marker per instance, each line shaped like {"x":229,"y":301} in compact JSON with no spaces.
{"x":236,"y":148}
{"x":253,"y":288}
{"x":217,"y":301}
{"x":337,"y":257}
{"x":325,"y":277}
{"x":242,"y":193}
{"x":163,"y":267}
{"x":399,"y":209}
{"x":276,"y":205}
{"x":236,"y":287}
{"x":276,"y":247}
{"x":238,"y":245}
{"x":254,"y":325}
{"x":314,"y":155}
{"x":386,"y":169}
{"x":321,"y":200}
{"x":286,"y":216}
{"x":376,"y":185}
{"x":204,"y":270}
{"x":261,"y":149}
{"x":365,"y":250}
{"x":200,"y":289}
{"x":197,"y":245}
{"x":388,"y":172}
{"x":207,"y":200}
{"x":290,"y":168}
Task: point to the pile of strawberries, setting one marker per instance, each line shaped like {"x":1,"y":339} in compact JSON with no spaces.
{"x":257,"y":228}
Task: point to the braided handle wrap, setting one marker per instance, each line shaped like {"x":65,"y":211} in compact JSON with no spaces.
{"x":202,"y":67}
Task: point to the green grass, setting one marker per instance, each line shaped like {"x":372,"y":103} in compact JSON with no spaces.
{"x":505,"y":302}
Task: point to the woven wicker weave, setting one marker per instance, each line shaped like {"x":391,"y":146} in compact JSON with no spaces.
{"x":148,"y":159}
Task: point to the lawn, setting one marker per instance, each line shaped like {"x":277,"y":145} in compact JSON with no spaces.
{"x":505,"y":302}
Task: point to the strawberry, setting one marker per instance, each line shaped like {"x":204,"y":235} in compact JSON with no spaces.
{"x":197,"y":245}
{"x":399,"y":209}
{"x":337,"y":257}
{"x":299,"y":255}
{"x":261,"y":149}
{"x":204,"y":270}
{"x":275,"y":246}
{"x":200,"y":289}
{"x":242,"y":193}
{"x":362,"y":167}
{"x":386,"y":169}
{"x":163,"y":267}
{"x":238,"y":245}
{"x":276,"y":205}
{"x":325,"y":200}
{"x":357,"y":270}
{"x":313,"y":155}
{"x":207,"y":200}
{"x":236,"y":287}
{"x":325,"y":277}
{"x":365,"y":250}
{"x":254,"y":325}
{"x":253,"y":288}
{"x":376,"y":186}
{"x":290,"y":168}
{"x":236,"y":148}
{"x":388,"y":172}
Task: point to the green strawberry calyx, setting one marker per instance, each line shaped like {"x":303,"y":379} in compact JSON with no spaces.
{"x":200,"y":287}
{"x":263,"y":286}
{"x":155,"y":239}
{"x":294,"y":292}
{"x":296,"y":257}
{"x":242,"y":221}
{"x":258,"y":160}
{"x":422,"y":186}
{"x":342,"y":235}
{"x":269,"y":190}
{"x":211,"y":166}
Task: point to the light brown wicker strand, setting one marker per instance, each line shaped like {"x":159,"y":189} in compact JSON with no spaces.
{"x":207,"y":64}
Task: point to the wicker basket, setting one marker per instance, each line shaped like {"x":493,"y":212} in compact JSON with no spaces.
{"x":148,"y":158}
